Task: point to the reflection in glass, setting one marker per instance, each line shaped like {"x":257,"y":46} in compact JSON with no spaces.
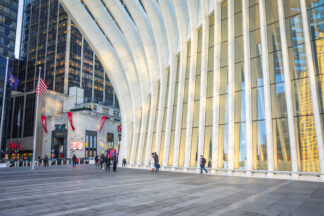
{"x":239,"y":76}
{"x":276,"y":67}
{"x":318,"y":52}
{"x":194,"y":148}
{"x":271,"y":11}
{"x":171,"y":149}
{"x":239,"y":146}
{"x":281,"y":145}
{"x":298,"y":63}
{"x":258,"y":104}
{"x":302,"y":97}
{"x":223,"y":147}
{"x":320,"y":83}
{"x":278,"y":99}
{"x":259,"y":148}
{"x":294,"y":28}
{"x":274,"y":42}
{"x":182,"y":147}
{"x":316,"y":21}
{"x":223,"y":109}
{"x":307,"y":150}
{"x":208,"y":146}
{"x":240,"y":111}
{"x":291,"y":7}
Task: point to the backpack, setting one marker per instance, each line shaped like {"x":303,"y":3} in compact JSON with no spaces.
{"x":203,"y":160}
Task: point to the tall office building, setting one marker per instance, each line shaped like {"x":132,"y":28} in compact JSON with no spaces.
{"x":51,"y":41}
{"x":8,"y":22}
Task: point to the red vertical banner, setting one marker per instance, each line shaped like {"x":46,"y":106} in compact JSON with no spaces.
{"x":119,"y":128}
{"x":70,"y":119}
{"x":103,"y":119}
{"x":44,"y":123}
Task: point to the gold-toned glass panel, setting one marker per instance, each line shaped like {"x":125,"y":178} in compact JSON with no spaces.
{"x":209,"y":112}
{"x":320,"y":83}
{"x":199,"y":39}
{"x":239,"y":146}
{"x":254,"y":18}
{"x":259,"y":148}
{"x":171,"y":149}
{"x":255,"y":43}
{"x":194,"y":147}
{"x":237,"y":6}
{"x":184,"y":115}
{"x":224,"y":10}
{"x":211,"y":35}
{"x":239,"y":49}
{"x":281,"y":145}
{"x":174,"y":117}
{"x":210,"y":58}
{"x":271,"y":11}
{"x":294,"y":29}
{"x":253,"y":2}
{"x":258,"y":107}
{"x":146,"y":132}
{"x":302,"y":97}
{"x":176,"y":93}
{"x":185,"y":95}
{"x":318,"y":51}
{"x":223,"y":147}
{"x":256,"y":72}
{"x":291,"y":7}
{"x":298,"y":63}
{"x":224,"y":30}
{"x":188,"y":60}
{"x":208,"y":146}
{"x":211,"y":19}
{"x":274,"y":42}
{"x":307,"y":149}
{"x":153,"y":144}
{"x":240,"y":111}
{"x":224,"y":54}
{"x":198,"y":69}
{"x":195,"y":122}
{"x":210,"y":82}
{"x":223,"y":81}
{"x":162,"y":148}
{"x":239,"y":76}
{"x":278,"y":100}
{"x":276,"y":67}
{"x":197,"y":87}
{"x":223,"y":109}
{"x":182,"y":147}
{"x":164,"y":118}
{"x":238,"y":24}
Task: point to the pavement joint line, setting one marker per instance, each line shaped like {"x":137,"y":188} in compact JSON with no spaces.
{"x":249,"y":199}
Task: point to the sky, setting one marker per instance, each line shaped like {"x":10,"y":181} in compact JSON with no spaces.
{"x":18,"y":31}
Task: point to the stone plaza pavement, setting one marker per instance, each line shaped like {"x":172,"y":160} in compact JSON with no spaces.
{"x":88,"y":190}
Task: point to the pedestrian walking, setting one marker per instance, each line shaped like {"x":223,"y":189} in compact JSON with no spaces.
{"x":124,"y":162}
{"x":45,"y":161}
{"x":102,"y":161}
{"x":74,"y":160}
{"x":156,"y":161}
{"x":202,"y":164}
{"x":96,"y":161}
{"x":108,"y":163}
{"x":115,"y":161}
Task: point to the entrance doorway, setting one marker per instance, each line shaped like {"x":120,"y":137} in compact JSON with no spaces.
{"x":59,"y":147}
{"x":59,"y":139}
{"x":91,"y":147}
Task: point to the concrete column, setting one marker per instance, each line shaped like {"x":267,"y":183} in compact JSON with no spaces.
{"x":231,"y":85}
{"x":312,"y":81}
{"x":289,"y":96}
{"x":248,"y":85}
{"x":216,"y":83}
{"x":266,"y":81}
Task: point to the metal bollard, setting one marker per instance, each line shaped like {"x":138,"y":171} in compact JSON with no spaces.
{"x":67,"y":162}
{"x":56,"y":162}
{"x":61,"y":162}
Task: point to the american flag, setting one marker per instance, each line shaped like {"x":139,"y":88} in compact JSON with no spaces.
{"x":41,"y":85}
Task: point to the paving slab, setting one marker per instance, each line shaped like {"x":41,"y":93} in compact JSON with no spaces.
{"x":88,"y":190}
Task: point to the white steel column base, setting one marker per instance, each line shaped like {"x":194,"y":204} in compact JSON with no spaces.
{"x":248,"y":173}
{"x":270,"y":175}
{"x":294,"y":176}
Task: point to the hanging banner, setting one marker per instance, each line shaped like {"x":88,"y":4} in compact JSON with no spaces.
{"x":103,"y":119}
{"x":119,"y":128}
{"x":70,"y":119}
{"x":44,"y":123}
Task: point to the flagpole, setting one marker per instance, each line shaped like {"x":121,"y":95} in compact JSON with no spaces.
{"x":35,"y":119}
{"x":4,"y":100}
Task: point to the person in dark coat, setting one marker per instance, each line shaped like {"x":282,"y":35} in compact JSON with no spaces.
{"x":102,"y":161}
{"x":45,"y":161}
{"x":74,"y":159}
{"x":156,"y":161}
{"x":124,"y":162}
{"x":108,"y":163}
{"x":115,"y":161}
{"x":96,"y":160}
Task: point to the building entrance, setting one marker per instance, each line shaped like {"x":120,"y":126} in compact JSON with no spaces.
{"x":59,"y":142}
{"x":91,"y":144}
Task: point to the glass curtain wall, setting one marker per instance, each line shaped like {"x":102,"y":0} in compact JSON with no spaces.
{"x":259,"y":142}
{"x":239,"y":97}
{"x":87,"y":71}
{"x":146,"y":131}
{"x":223,"y":98}
{"x":184,"y":109}
{"x":174,"y":113}
{"x":307,"y":150}
{"x":167,"y":92}
{"x":281,"y":144}
{"x":196,"y":108}
{"x":209,"y":94}
{"x":315,"y":10}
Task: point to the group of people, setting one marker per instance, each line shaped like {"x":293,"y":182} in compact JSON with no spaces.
{"x":157,"y":165}
{"x":106,"y":161}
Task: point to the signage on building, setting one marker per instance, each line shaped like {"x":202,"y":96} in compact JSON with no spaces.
{"x":77,"y":145}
